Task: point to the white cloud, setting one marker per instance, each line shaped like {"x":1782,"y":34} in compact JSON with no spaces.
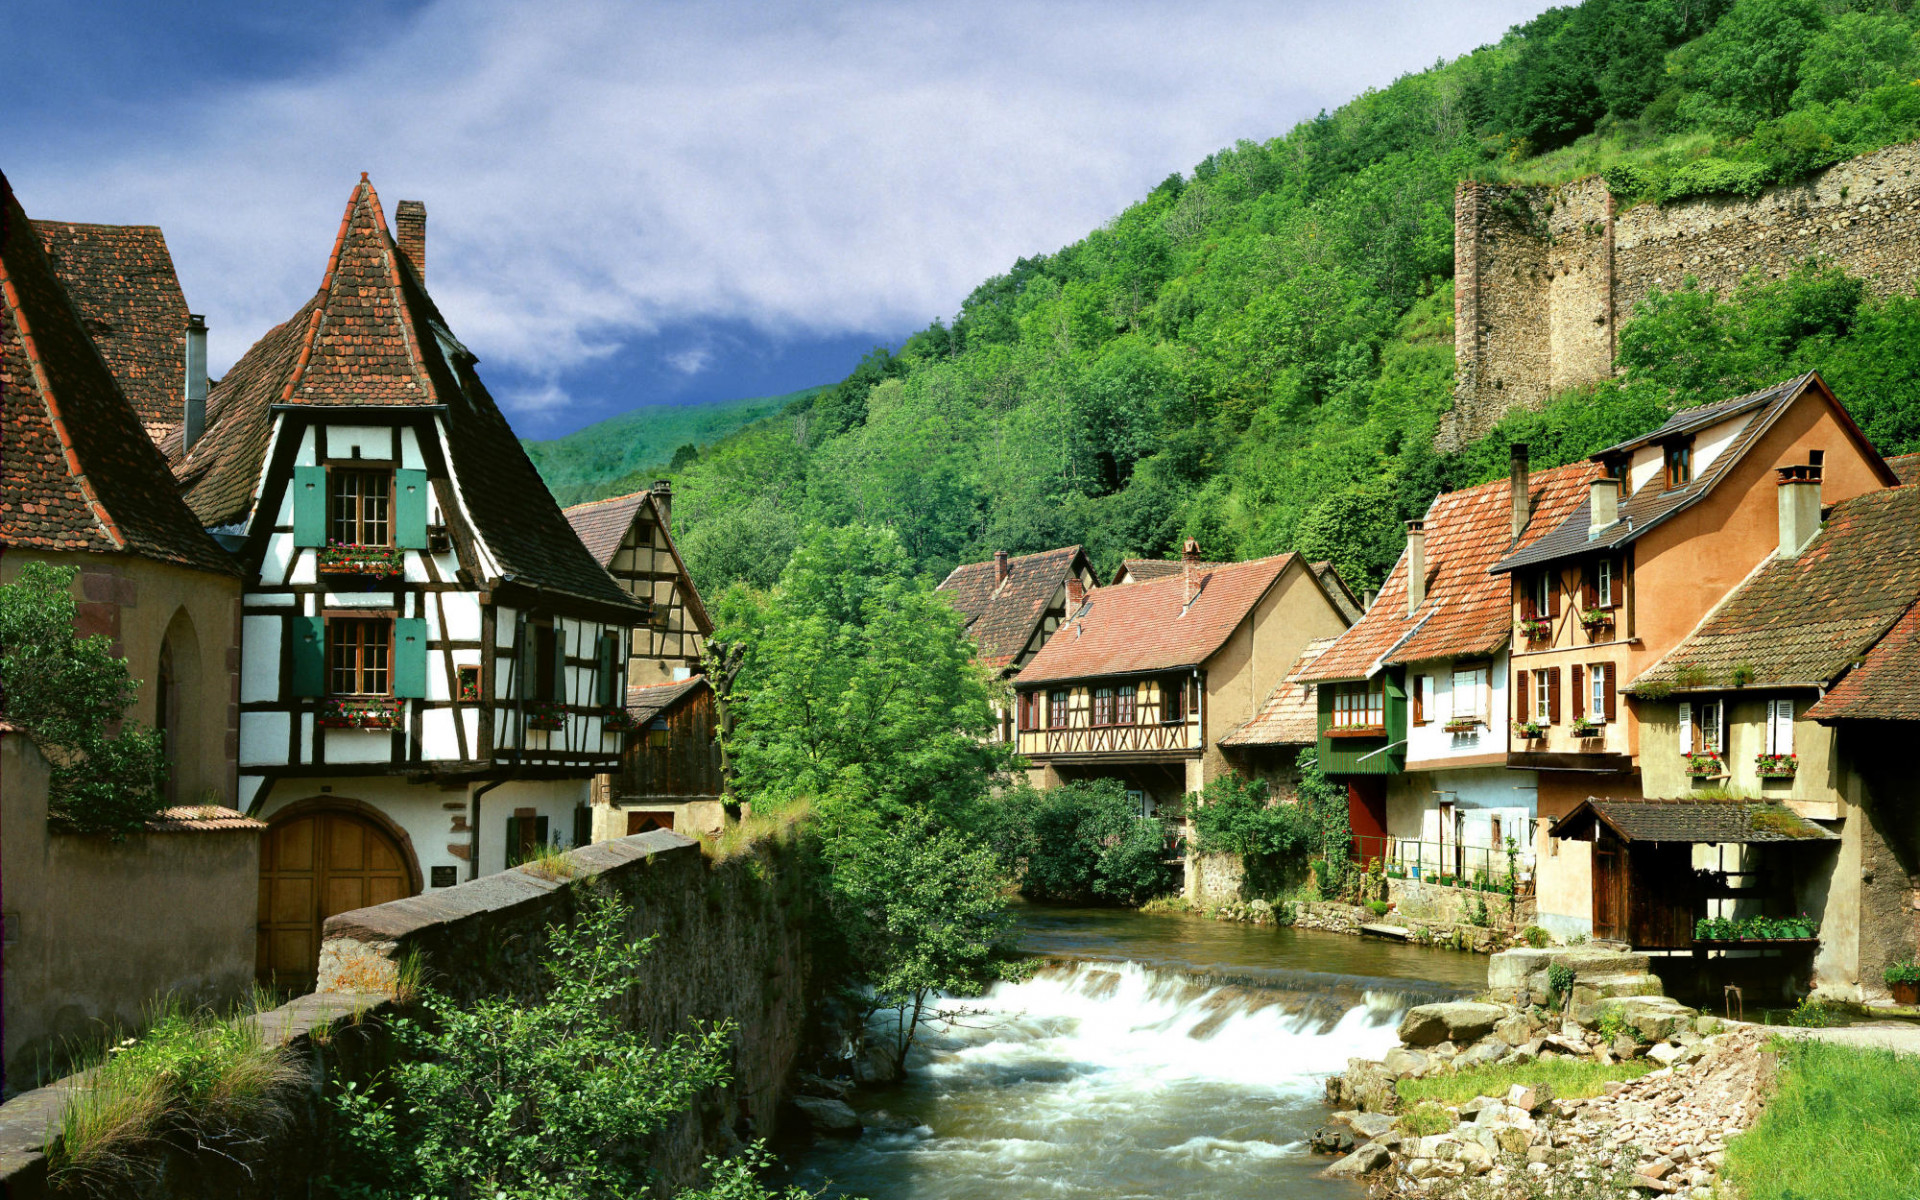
{"x":593,"y":170}
{"x":691,"y":361}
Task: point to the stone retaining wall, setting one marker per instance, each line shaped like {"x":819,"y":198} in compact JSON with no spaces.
{"x":1413,"y":899}
{"x":731,"y":947}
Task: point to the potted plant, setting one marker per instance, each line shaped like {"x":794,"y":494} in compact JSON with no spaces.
{"x":352,"y":558}
{"x":1529,"y":731}
{"x":1463,"y":724}
{"x":1903,"y":978}
{"x":1535,"y":629}
{"x":1596,"y":619}
{"x":360,"y":712}
{"x":1775,"y":766}
{"x":545,"y":714}
{"x":1587,"y":727}
{"x":1705,"y":764}
{"x":618,"y":720}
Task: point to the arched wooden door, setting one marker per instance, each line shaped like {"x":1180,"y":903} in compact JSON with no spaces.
{"x":312,"y":866}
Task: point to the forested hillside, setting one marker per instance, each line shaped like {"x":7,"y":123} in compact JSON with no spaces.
{"x":1256,"y":354}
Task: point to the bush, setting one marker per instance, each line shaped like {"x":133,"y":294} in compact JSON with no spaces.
{"x":1377,"y":907}
{"x":1813,"y":1014}
{"x":1536,"y":937}
{"x":1560,"y":981}
{"x":1902,"y":972}
{"x":1083,"y":842}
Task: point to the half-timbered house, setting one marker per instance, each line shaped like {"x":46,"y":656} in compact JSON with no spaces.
{"x":1013,"y":604}
{"x":632,"y":537}
{"x":433,"y":665}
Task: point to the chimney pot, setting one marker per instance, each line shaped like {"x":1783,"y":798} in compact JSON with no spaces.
{"x":410,"y":219}
{"x":1603,"y":504}
{"x":1518,"y":491}
{"x":1000,"y":567}
{"x":1799,"y":487}
{"x":663,"y":501}
{"x":1416,"y":565}
{"x":193,"y":420}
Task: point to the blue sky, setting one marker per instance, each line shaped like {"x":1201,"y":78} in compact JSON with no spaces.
{"x":673,"y":202}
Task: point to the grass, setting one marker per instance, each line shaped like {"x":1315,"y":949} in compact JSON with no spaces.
{"x":739,"y":838}
{"x":193,"y":1076}
{"x":1426,"y":1119}
{"x":1569,"y":1080}
{"x":1844,"y":1124}
{"x":1169,"y":903}
{"x":552,"y":862}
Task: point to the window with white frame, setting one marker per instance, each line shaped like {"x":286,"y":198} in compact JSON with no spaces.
{"x":1470,"y":693}
{"x":1703,"y":727}
{"x":1597,"y":692}
{"x":1780,"y":726}
{"x":1360,"y":705}
{"x":1603,"y":584}
{"x":1543,"y":696}
{"x":1540,"y":593}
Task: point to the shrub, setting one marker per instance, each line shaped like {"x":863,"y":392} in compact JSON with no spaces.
{"x":1813,"y":1014}
{"x":1902,"y":972}
{"x":1614,"y":1024}
{"x":1560,"y":981}
{"x":1377,"y":907}
{"x":1082,"y":842}
{"x":1536,"y":937}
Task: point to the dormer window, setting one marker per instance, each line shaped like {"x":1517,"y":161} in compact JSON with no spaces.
{"x":1679,"y":464}
{"x":359,"y":504}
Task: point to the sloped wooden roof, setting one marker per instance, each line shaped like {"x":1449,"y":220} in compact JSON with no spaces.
{"x":602,"y":525}
{"x":647,"y":701}
{"x":1721,"y":821}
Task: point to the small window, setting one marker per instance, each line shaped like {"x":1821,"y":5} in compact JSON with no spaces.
{"x":1540,"y":594}
{"x":526,"y":837}
{"x":1780,"y":724}
{"x":1679,"y":464}
{"x":359,"y":657}
{"x":358,"y":508}
{"x":1603,"y":583}
{"x":540,"y":671}
{"x":1543,"y":705}
{"x":1597,"y":693}
{"x":1057,"y":710}
{"x":1124,"y":708}
{"x":1103,"y":706}
{"x":1701,"y":728}
{"x":1172,"y":694}
{"x":469,"y":684}
{"x":1470,"y":693}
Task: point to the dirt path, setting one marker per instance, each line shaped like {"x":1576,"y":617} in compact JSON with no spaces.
{"x":1898,"y":1036}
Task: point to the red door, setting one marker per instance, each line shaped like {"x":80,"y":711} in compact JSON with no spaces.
{"x":1367,"y":814}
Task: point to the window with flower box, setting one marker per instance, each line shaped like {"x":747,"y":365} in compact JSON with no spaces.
{"x":1359,"y":708}
{"x":1471,"y":699}
{"x":359,"y":657}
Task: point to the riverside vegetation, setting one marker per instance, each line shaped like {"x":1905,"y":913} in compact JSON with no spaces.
{"x":1258,"y":352}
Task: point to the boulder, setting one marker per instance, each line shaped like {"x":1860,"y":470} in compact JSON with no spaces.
{"x":1515,"y":1030}
{"x":1588,"y":962}
{"x":828,"y":1115}
{"x":1484,"y":1053}
{"x":1529,"y":1099}
{"x":1464,"y":1021}
{"x":1624,"y":1047}
{"x":875,"y":1064}
{"x":1366,"y":1086}
{"x":1512,"y":1140}
{"x":1474,"y":1107}
{"x":1513,"y":969}
{"x":1663,"y":1053}
{"x":1364,"y":1161}
{"x":1370,"y":1125}
{"x":808,"y":1083}
{"x":1328,"y":1140}
{"x":1402,"y":1063}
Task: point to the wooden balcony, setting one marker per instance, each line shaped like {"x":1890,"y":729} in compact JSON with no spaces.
{"x":1116,"y":743}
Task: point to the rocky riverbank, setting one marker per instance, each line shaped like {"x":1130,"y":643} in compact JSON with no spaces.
{"x":1333,"y":916}
{"x":1664,"y":1132}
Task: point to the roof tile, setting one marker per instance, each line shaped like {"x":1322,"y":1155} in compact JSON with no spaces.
{"x":1290,"y":716}
{"x":1002,"y":615}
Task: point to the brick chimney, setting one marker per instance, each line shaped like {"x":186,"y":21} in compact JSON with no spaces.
{"x":194,"y":419}
{"x":1000,"y":567}
{"x":1416,"y":565}
{"x":1603,"y":504}
{"x":1076,"y":594}
{"x":1517,"y":488}
{"x":1799,"y":507}
{"x":410,"y":220}
{"x":663,"y":500}
{"x":1189,"y":570}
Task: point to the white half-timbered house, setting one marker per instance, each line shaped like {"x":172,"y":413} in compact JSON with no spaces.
{"x":433,"y":666}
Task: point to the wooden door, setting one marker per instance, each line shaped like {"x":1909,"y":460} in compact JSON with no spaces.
{"x":1609,"y":888}
{"x":312,"y":867}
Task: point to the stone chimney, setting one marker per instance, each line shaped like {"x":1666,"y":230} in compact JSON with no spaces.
{"x":1799,"y":507}
{"x":1603,"y":504}
{"x":1517,"y":488}
{"x":1416,"y":565}
{"x":1000,"y":567}
{"x":410,"y":221}
{"x":1189,"y":570}
{"x":663,"y":500}
{"x":194,"y":420}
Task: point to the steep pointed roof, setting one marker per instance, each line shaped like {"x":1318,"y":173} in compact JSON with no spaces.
{"x":372,"y":337}
{"x":77,"y":470}
{"x":602,"y":525}
{"x":1002,"y":614}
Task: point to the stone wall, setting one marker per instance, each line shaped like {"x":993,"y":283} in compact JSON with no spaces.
{"x":1545,"y":276}
{"x":731,"y":946}
{"x":1414,"y":900}
{"x":1214,"y":879}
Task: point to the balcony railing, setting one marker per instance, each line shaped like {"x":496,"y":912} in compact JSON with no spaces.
{"x":1111,"y":739}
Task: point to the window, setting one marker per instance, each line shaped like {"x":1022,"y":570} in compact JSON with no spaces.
{"x":358,"y":503}
{"x":1679,"y":464}
{"x":1546,"y":696}
{"x":359,"y":652}
{"x":1360,"y":706}
{"x":1103,"y":706}
{"x":1598,"y":676}
{"x":469,"y":684}
{"x":542,"y":669}
{"x":1702,"y":727}
{"x":1541,"y":595}
{"x":1172,"y":694}
{"x":1780,"y":724}
{"x":1603,"y":584}
{"x":1029,"y":710}
{"x":1124,"y":715}
{"x":526,"y":837}
{"x":1420,"y":687}
{"x":1057,"y":709}
{"x":1140,"y":802}
{"x":1470,"y":692}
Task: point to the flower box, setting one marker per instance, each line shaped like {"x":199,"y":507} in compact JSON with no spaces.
{"x":344,"y":559}
{"x":1752,"y":930}
{"x":618,"y":720}
{"x":1775,"y":766}
{"x":1463,"y":724}
{"x":546,"y":715}
{"x":1584,"y":728}
{"x":1596,"y":619}
{"x":372,"y":712}
{"x":1903,"y":978}
{"x":1529,"y":731}
{"x":1706,"y":766}
{"x":1535,"y":629}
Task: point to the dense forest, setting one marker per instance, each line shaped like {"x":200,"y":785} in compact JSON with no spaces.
{"x":1257,"y":353}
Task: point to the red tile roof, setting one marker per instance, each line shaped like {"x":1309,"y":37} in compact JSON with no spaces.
{"x":79,"y":470}
{"x":603,"y":524}
{"x":1466,"y":610}
{"x":1882,"y":687}
{"x":1291,"y":714}
{"x":1145,"y":627}
{"x":372,"y":336}
{"x":121,"y":278}
{"x":1905,"y":467}
{"x":1003,"y":614}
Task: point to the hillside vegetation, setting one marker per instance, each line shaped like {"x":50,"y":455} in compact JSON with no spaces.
{"x":624,"y":453}
{"x":1257,"y":353}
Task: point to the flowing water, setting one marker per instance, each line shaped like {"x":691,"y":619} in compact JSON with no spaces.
{"x":1156,"y":1056}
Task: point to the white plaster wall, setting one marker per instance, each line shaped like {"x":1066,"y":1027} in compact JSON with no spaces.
{"x":360,"y":441}
{"x":1479,"y":794}
{"x":359,"y":745}
{"x":263,"y":739}
{"x":410,"y":456}
{"x":1431,"y":741}
{"x":260,"y":658}
{"x":463,"y":615}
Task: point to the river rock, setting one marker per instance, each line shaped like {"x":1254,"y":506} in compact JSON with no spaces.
{"x":875,"y":1064}
{"x":829,"y":1116}
{"x":1484,"y":1053}
{"x":1463,"y":1021}
{"x":1328,"y":1140}
{"x":809,"y":1084}
{"x":1474,"y":1107}
{"x":1369,"y":1126}
{"x":1529,"y":1099}
{"x":1515,"y":1030}
{"x":1364,"y":1161}
{"x":1402,"y":1063}
{"x":1663,"y":1053}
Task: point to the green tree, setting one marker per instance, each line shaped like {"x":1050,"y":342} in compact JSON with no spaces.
{"x":1082,"y":842}
{"x":1746,"y":68}
{"x":71,"y":694}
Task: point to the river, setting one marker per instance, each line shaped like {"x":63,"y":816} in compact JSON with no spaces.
{"x":1159,"y":1056}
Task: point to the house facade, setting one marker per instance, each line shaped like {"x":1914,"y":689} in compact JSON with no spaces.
{"x":632,"y":537}
{"x":1013,"y":605}
{"x":1413,"y":700}
{"x":1144,"y":680}
{"x":670,"y":773}
{"x":1677,"y":520}
{"x":433,"y":665}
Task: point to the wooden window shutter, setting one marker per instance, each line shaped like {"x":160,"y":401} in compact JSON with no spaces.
{"x":1686,"y":727}
{"x":410,"y":509}
{"x":605,"y":668}
{"x":1553,"y":596}
{"x":309,"y":656}
{"x":1612,"y":696}
{"x":1589,"y":588}
{"x":309,"y":506}
{"x":1525,"y":592}
{"x":1419,"y":690}
{"x":1720,"y":726}
{"x":1780,"y":735}
{"x":1553,"y":695}
{"x":1579,"y":690}
{"x":410,"y":658}
{"x":1523,"y":699}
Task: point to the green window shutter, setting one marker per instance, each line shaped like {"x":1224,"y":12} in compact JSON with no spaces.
{"x":410,"y":509}
{"x":309,"y":506}
{"x":309,"y":656}
{"x":515,"y":853}
{"x":410,"y":658}
{"x":608,"y":650}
